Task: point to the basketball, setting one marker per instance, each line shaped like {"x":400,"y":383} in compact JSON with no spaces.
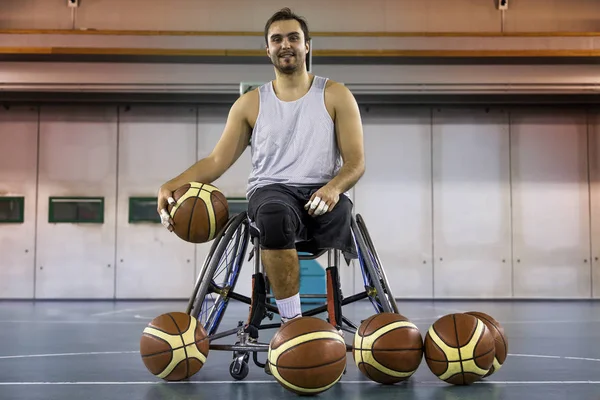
{"x":388,"y":348}
{"x":307,"y":355}
{"x":174,"y":346}
{"x":200,"y":212}
{"x":500,"y":342}
{"x":459,"y":349}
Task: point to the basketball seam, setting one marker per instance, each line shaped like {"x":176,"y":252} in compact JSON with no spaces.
{"x":367,"y":326}
{"x":200,"y":341}
{"x":362,"y":339}
{"x":160,"y":330}
{"x":187,"y":361}
{"x":383,"y":326}
{"x":280,"y":332}
{"x":435,"y":344}
{"x":312,"y":366}
{"x":388,"y":367}
{"x":366,"y":370}
{"x":372,"y":350}
{"x":206,"y":208}
{"x":160,"y":352}
{"x":212,"y":194}
{"x":391,"y":323}
{"x":172,"y":349}
{"x":226,"y":206}
{"x":484,"y":354}
{"x":470,"y":336}
{"x":191,"y":218}
{"x":302,"y":334}
{"x":462,"y":370}
{"x":172,"y":206}
{"x":212,"y":208}
{"x":308,"y":341}
{"x":479,"y":341}
{"x":462,"y":359}
{"x":499,"y":333}
{"x":442,"y":339}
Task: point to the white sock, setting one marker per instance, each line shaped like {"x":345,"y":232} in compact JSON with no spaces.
{"x":289,"y":308}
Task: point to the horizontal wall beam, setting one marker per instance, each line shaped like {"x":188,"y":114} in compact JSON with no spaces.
{"x":356,"y":88}
{"x":221,"y":82}
{"x":418,"y":100}
{"x":313,"y":34}
{"x":356,"y":53}
{"x":348,"y":45}
{"x":371,"y":78}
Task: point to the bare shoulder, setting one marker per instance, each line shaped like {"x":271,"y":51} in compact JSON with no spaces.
{"x":338,"y":97}
{"x":247,"y":105}
{"x":335,"y":90}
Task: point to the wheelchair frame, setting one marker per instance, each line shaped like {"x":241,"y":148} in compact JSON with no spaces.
{"x":237,"y":233}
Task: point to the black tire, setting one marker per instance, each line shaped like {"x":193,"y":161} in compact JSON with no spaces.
{"x":242,"y":374}
{"x":238,"y":227}
{"x":373,"y":269}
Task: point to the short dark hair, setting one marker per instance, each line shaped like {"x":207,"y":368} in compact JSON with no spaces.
{"x":286,"y":14}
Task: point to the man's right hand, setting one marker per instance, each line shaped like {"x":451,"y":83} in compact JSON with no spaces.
{"x":165,"y":197}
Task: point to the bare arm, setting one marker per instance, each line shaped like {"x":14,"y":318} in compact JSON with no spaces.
{"x":349,"y":133}
{"x":229,"y":148}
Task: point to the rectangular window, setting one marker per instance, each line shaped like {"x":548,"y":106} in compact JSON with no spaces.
{"x":11,"y":209}
{"x":143,"y":209}
{"x":76,"y":210}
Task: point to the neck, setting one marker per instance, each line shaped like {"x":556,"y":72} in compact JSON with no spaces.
{"x":299,"y":80}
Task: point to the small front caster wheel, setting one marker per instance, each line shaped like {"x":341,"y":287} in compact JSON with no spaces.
{"x":238,"y":369}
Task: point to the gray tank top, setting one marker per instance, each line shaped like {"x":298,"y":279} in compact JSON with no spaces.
{"x":294,"y":142}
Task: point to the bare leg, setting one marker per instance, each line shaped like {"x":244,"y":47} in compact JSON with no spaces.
{"x":283,"y":270}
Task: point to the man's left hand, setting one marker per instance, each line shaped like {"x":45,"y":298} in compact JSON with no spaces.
{"x":322,"y":201}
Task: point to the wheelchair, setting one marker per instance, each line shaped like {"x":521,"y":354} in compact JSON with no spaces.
{"x":215,"y":287}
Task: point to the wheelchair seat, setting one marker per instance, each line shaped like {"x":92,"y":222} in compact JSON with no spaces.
{"x":302,"y":246}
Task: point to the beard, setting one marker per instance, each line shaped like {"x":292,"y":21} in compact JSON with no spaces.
{"x":289,"y":66}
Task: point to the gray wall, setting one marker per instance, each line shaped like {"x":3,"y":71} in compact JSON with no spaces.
{"x":333,"y":15}
{"x":461,"y":202}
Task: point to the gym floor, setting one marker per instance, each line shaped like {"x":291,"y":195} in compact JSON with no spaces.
{"x":90,"y":350}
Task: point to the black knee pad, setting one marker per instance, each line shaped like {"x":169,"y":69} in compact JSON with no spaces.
{"x":277,"y":224}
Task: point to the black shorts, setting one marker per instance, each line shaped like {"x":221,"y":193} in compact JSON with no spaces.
{"x":329,"y":230}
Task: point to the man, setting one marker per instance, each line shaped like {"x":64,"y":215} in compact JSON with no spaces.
{"x":300,"y":128}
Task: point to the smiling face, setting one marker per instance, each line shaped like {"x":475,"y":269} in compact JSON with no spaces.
{"x":286,"y":46}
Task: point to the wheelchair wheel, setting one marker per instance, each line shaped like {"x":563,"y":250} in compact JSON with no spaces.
{"x":238,"y":369}
{"x":220,"y":273}
{"x":375,"y":280}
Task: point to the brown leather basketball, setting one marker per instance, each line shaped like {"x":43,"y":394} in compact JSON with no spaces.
{"x":500,"y":341}
{"x":307,"y":355}
{"x":388,"y":348}
{"x":174,"y":346}
{"x":200,"y":212}
{"x":459,"y":349}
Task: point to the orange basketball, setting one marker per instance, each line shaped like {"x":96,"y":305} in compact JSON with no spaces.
{"x":459,"y":349}
{"x":307,"y":356}
{"x":200,"y":212}
{"x":500,"y":341}
{"x":174,"y":346}
{"x":388,"y":348}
